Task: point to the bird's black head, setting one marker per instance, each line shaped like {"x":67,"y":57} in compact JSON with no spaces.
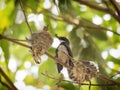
{"x":63,"y":39}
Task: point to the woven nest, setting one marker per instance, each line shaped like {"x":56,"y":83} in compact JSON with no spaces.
{"x":82,"y":71}
{"x":40,"y":43}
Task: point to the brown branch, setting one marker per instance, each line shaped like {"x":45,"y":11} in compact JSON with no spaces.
{"x":116,"y":6}
{"x":106,"y":78}
{"x":85,"y":26}
{"x":4,"y":84}
{"x":85,"y":2}
{"x":99,"y":8}
{"x":107,"y":3}
{"x":13,"y":40}
{"x":25,"y":16}
{"x":77,"y":83}
{"x":100,"y":28}
{"x":59,"y":18}
{"x":8,"y":80}
{"x":7,"y":86}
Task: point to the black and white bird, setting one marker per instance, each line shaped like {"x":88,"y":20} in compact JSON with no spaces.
{"x":63,"y":53}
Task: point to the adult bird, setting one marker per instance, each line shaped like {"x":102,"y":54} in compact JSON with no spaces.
{"x":63,"y":53}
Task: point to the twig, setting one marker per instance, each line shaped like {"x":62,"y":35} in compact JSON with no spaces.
{"x":92,"y":5}
{"x":58,"y":18}
{"x":98,"y":27}
{"x":7,"y":86}
{"x":117,"y":72}
{"x":106,"y":10}
{"x":4,"y":84}
{"x":107,"y":3}
{"x":116,"y":6}
{"x":20,"y":40}
{"x":80,"y":83}
{"x":25,"y":16}
{"x":103,"y":77}
{"x":13,"y":40}
{"x":101,"y":28}
{"x":8,"y":80}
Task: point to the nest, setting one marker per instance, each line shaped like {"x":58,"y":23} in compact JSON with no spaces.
{"x":82,"y":71}
{"x":40,"y":42}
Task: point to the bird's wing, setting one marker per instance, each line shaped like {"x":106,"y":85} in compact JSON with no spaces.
{"x":70,"y":54}
{"x":59,"y":67}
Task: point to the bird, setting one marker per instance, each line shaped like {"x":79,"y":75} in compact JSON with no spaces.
{"x":82,"y":71}
{"x":63,"y":53}
{"x":40,"y":43}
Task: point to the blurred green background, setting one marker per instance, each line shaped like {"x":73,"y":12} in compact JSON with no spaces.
{"x":92,"y":26}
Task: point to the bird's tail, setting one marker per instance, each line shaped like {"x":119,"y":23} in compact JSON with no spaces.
{"x":107,"y":79}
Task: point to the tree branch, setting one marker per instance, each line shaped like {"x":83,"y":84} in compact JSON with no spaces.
{"x":92,"y":5}
{"x":116,"y":6}
{"x":99,"y":8}
{"x":54,"y":17}
{"x":77,"y":83}
{"x":7,"y":79}
{"x":14,"y":41}
{"x":7,"y":86}
{"x":25,"y":16}
{"x":101,"y":28}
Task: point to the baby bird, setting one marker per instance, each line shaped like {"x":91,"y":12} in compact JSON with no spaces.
{"x":40,"y":43}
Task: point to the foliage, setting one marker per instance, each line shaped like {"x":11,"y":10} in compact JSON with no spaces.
{"x":92,"y":26}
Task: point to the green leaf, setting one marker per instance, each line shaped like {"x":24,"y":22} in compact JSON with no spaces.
{"x":114,"y":60}
{"x":30,"y":80}
{"x":91,"y":52}
{"x":68,"y":86}
{"x":98,"y":34}
{"x":32,"y":4}
{"x":66,"y":7}
{"x":93,"y":29}
{"x":6,"y":15}
{"x":75,"y":42}
{"x":20,"y":31}
{"x":5,"y":47}
{"x":49,"y":68}
{"x":21,"y":53}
